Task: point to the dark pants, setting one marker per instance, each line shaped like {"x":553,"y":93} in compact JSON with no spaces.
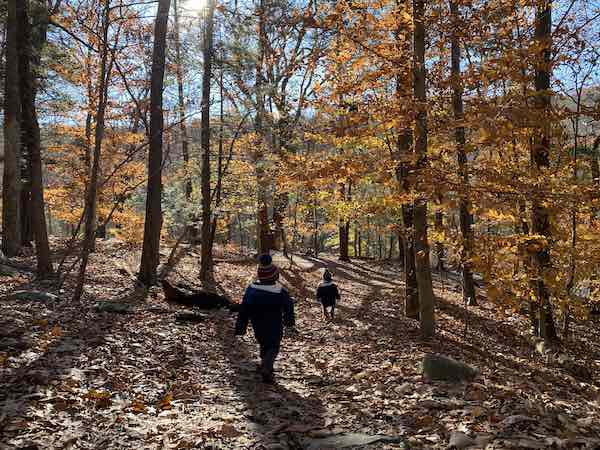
{"x":268,"y":354}
{"x":329,"y":304}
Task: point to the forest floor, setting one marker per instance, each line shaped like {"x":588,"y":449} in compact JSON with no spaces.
{"x":72,"y":376}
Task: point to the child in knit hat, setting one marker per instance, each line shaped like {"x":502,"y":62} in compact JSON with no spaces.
{"x":328,"y":294}
{"x":269,"y":307}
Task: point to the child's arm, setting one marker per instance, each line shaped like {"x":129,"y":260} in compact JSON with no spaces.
{"x":289,"y":319}
{"x":337,"y":293}
{"x":241,"y":324}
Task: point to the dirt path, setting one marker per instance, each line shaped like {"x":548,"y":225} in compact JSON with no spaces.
{"x":72,"y":377}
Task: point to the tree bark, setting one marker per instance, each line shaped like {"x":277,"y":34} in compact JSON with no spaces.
{"x":344,"y":230}
{"x":153,"y":222}
{"x":465,"y":217}
{"x":11,"y":181}
{"x":32,"y":144}
{"x":263,"y":232}
{"x":422,"y":264}
{"x":90,"y":203}
{"x":207,"y":244}
{"x":401,"y":247}
{"x":181,"y":103}
{"x":541,"y":162}
{"x":596,"y":176}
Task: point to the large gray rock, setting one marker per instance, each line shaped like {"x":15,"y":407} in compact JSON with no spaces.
{"x":33,"y":296}
{"x":438,"y":367}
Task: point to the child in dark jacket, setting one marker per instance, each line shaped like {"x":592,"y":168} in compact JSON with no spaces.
{"x":327,"y":294}
{"x":268,"y":306}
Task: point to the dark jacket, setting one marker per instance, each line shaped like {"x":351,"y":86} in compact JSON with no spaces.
{"x":327,"y":293}
{"x":268,"y":307}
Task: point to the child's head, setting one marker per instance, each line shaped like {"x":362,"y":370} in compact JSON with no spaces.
{"x":267,"y":272}
{"x":327,"y":275}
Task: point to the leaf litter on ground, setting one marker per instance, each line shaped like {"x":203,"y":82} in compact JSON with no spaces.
{"x":79,"y":376}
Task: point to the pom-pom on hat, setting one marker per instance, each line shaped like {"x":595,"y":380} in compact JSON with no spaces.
{"x":267,"y":272}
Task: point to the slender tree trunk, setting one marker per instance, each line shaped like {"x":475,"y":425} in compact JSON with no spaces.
{"x":401,"y":247}
{"x":263,"y":232}
{"x":541,"y":161}
{"x":343,"y":230}
{"x":391,"y":249}
{"x":359,"y":243}
{"x":422,"y":264}
{"x":207,"y":245}
{"x":181,"y":102}
{"x":355,"y":243}
{"x":315,"y":228}
{"x":220,"y":174}
{"x":439,"y":246}
{"x":90,"y":203}
{"x":465,"y":216}
{"x":11,"y":181}
{"x":595,"y":176}
{"x":153,"y":223}
{"x":32,"y":142}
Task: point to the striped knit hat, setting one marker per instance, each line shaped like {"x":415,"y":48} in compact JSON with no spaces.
{"x":327,"y":275}
{"x":267,"y":271}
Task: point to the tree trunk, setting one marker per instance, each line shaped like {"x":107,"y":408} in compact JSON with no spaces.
{"x":391,"y":249}
{"x":181,"y":103}
{"x":90,"y":202}
{"x":541,"y":159}
{"x":207,"y":244}
{"x":355,"y":242}
{"x":401,"y":247}
{"x":315,"y":229}
{"x":153,"y":222}
{"x":359,"y":243}
{"x":11,"y":181}
{"x":596,"y":177}
{"x":32,"y":143}
{"x":344,"y":230}
{"x":465,"y":217}
{"x":422,"y":264}
{"x":220,"y":170}
{"x":439,"y":246}
{"x":263,"y":231}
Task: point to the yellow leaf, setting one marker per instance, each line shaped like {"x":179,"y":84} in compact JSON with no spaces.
{"x":165,"y":403}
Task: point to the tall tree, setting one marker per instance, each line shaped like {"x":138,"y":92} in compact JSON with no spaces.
{"x":153,"y":222}
{"x":185,"y":152}
{"x":403,"y":157}
{"x":541,"y":163}
{"x":207,"y":242}
{"x":422,"y":264}
{"x":459,"y":137}
{"x":11,"y":181}
{"x":32,"y":142}
{"x":344,"y":225}
{"x":92,"y":190}
{"x":263,"y":232}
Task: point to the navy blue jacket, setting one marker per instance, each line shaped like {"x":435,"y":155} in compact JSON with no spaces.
{"x":268,"y":307}
{"x":327,"y":293}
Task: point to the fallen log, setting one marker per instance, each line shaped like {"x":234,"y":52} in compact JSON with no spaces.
{"x":195,"y":298}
